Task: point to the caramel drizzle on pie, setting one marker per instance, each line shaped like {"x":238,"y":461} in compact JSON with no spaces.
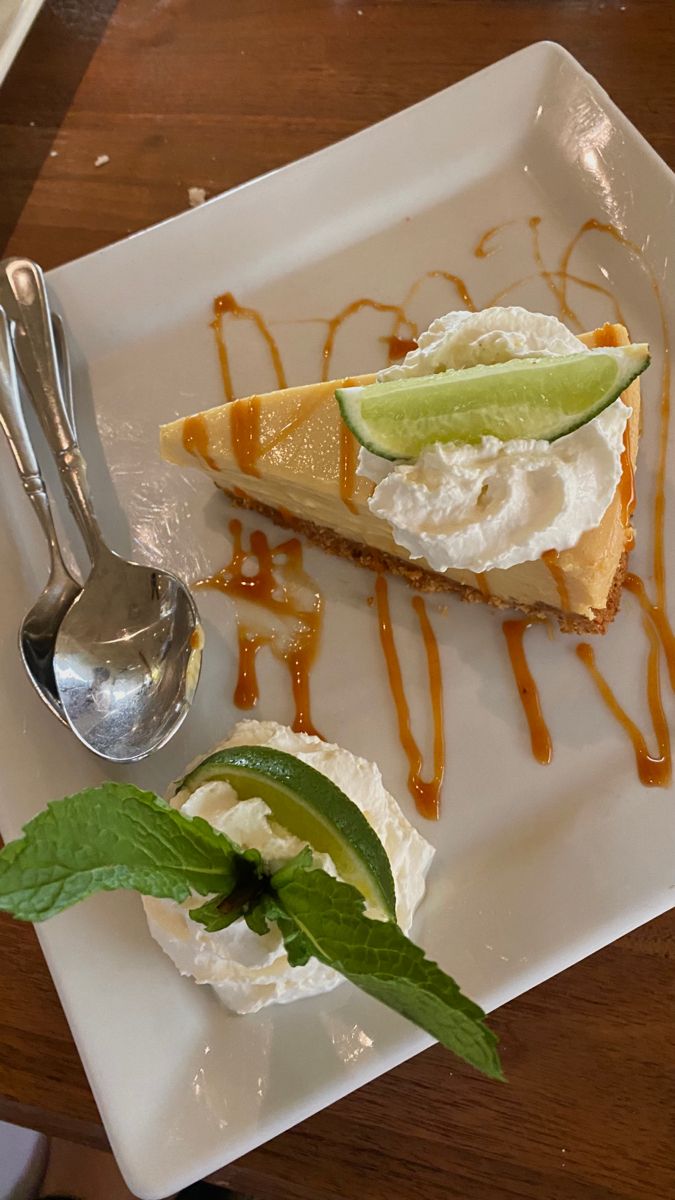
{"x":349,"y":450}
{"x":245,"y":427}
{"x":658,"y":548}
{"x":552,"y":560}
{"x":245,"y":418}
{"x":652,"y":770}
{"x":483,"y":585}
{"x":196,"y":440}
{"x":657,"y":626}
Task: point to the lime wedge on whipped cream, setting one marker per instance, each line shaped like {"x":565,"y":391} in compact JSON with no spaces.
{"x":310,"y":806}
{"x":541,"y":398}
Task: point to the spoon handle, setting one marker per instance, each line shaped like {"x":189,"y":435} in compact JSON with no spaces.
{"x":24,"y":292}
{"x":16,"y":432}
{"x":65,"y":371}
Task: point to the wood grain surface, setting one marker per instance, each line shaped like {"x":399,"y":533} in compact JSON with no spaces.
{"x":208,"y":93}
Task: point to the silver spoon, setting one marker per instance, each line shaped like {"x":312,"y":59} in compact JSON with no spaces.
{"x":65,"y":371}
{"x":40,"y":626}
{"x":128,"y":652}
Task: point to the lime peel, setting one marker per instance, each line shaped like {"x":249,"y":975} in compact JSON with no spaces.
{"x":311,"y":807}
{"x":530,"y":398}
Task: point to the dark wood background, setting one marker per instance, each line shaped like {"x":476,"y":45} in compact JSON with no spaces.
{"x":208,"y":93}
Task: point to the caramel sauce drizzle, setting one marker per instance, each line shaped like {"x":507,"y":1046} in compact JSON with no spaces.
{"x":657,"y":627}
{"x":226,"y":305}
{"x":589,"y":226}
{"x":626,"y":487}
{"x":540,"y":738}
{"x":197,"y":639}
{"x":398,"y":347}
{"x":245,"y":428}
{"x":274,"y":581}
{"x":335,"y":325}
{"x":657,"y":624}
{"x":483,"y":585}
{"x":426,"y":793}
{"x":653,"y":770}
{"x":482,"y":249}
{"x":349,"y":457}
{"x":196,"y":440}
{"x":348,"y":445}
{"x":245,"y":418}
{"x":633,"y":583}
{"x":246,"y":690}
{"x":555,"y":280}
{"x":457,"y":282}
{"x":501,"y":295}
{"x":548,"y":278}
{"x":658,"y":551}
{"x":551,"y":559}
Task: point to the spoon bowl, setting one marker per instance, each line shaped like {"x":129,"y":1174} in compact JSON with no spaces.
{"x":37,"y":635}
{"x":126,"y":661}
{"x":40,"y":626}
{"x":128,"y":650}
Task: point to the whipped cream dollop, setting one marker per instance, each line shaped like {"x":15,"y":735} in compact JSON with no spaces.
{"x":494,"y":335}
{"x":247,"y":971}
{"x":497,"y":503}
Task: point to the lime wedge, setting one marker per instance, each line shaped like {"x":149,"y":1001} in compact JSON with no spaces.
{"x":311,"y":807}
{"x":525,"y":398}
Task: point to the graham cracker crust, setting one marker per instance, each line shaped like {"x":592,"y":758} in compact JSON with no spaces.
{"x":426,"y":580}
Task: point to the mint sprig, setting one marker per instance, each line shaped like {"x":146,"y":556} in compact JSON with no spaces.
{"x":116,"y":836}
{"x":109,"y":837}
{"x":329,"y":922}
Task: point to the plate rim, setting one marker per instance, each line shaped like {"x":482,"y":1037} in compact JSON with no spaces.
{"x":543,"y":47}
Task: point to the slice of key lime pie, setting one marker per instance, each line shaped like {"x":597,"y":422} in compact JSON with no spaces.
{"x":495,"y":461}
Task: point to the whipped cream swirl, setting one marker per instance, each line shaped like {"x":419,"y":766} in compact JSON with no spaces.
{"x":495,"y":335}
{"x":498,"y":503}
{"x":246,"y":971}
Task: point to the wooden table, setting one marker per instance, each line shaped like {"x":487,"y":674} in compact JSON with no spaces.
{"x":183,"y":93}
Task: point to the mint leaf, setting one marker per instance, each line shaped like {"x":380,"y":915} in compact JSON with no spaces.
{"x":376,"y":956}
{"x":113,"y":836}
{"x":257,"y":917}
{"x":268,"y":909}
{"x":298,"y":949}
{"x":302,"y":861}
{"x":221,"y":911}
{"x":217,"y":914}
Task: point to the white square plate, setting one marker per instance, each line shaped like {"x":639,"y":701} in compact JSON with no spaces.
{"x":16,"y":18}
{"x":536,"y":867}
